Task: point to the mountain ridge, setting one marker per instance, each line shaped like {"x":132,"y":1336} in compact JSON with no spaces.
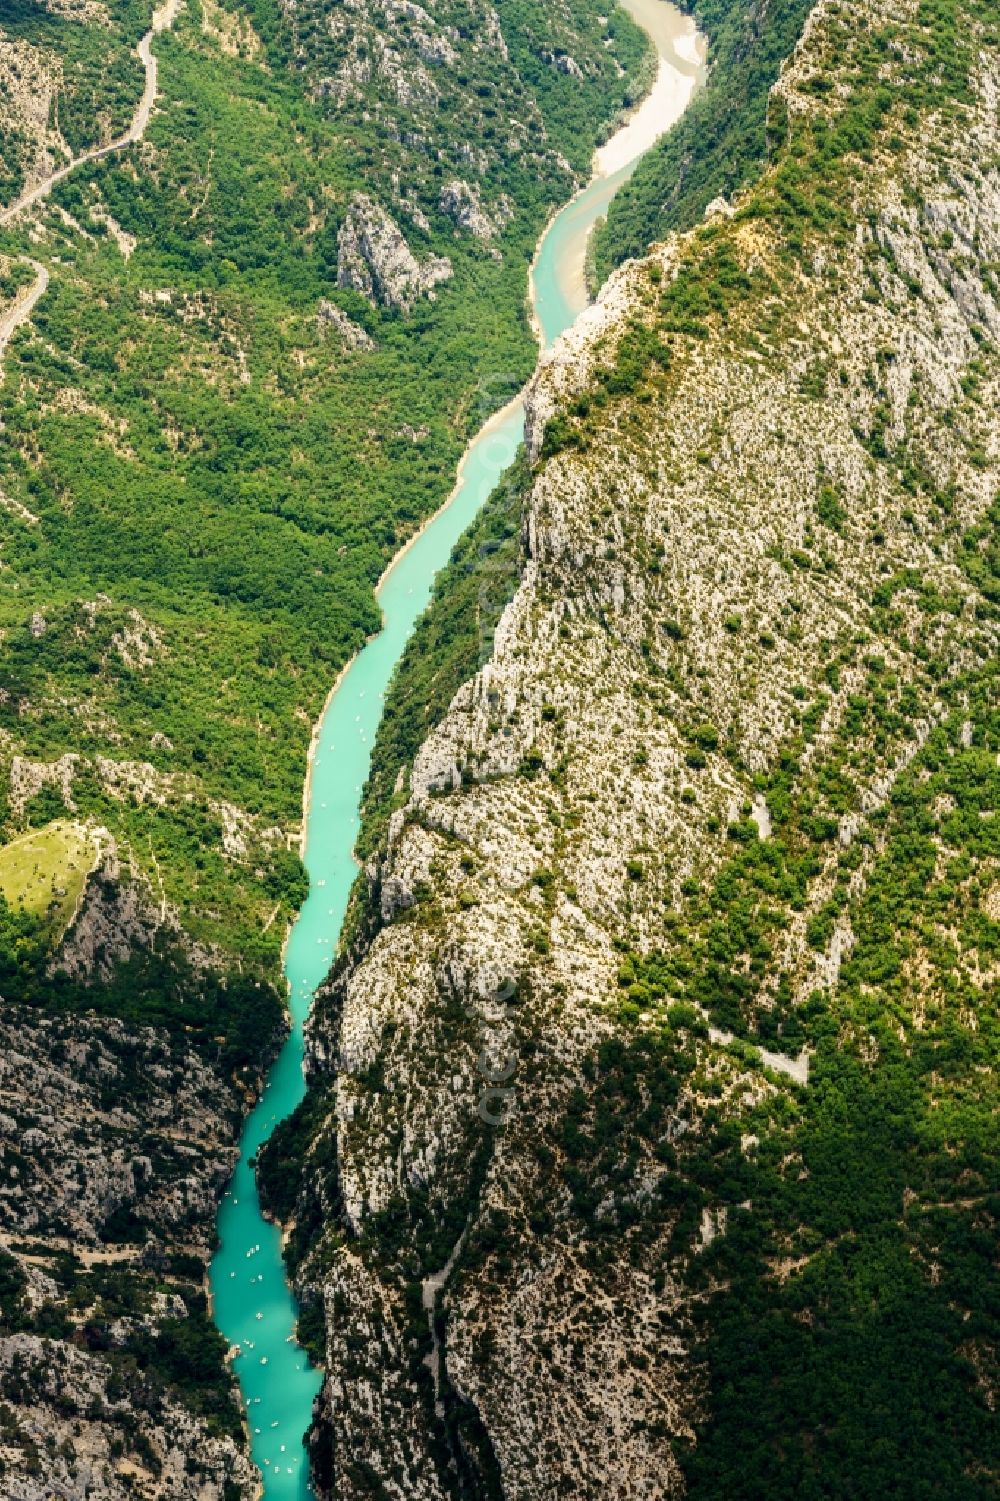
{"x":721,"y":791}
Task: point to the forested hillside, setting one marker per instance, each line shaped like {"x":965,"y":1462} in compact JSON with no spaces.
{"x":268,"y":330}
{"x":68,"y":82}
{"x":650,"y":1146}
{"x":258,"y":435}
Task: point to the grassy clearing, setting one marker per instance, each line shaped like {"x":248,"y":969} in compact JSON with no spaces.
{"x":44,"y":872}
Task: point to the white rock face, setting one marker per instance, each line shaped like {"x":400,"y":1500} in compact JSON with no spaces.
{"x":461,"y":202}
{"x":54,"y":1076}
{"x":680,"y":600}
{"x":74,"y":1151}
{"x":351,"y":334}
{"x":178,"y":1460}
{"x":375,"y":259}
{"x":28,"y":778}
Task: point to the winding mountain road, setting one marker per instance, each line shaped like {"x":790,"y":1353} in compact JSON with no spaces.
{"x":23,"y":307}
{"x":163,"y":19}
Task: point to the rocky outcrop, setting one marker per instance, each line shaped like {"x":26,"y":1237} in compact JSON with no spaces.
{"x":107,"y":1202}
{"x":414,"y":68}
{"x":460,"y":201}
{"x":330,"y":317}
{"x":138,"y":643}
{"x":29,"y":778}
{"x":56,"y":1447}
{"x":752,"y":484}
{"x":117,"y":921}
{"x":76,"y":1139}
{"x":375,"y":259}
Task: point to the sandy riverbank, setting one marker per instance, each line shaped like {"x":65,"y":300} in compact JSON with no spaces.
{"x":676,"y":42}
{"x":682,"y":54}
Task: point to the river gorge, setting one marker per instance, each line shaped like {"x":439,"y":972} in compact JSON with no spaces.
{"x":499,"y":867}
{"x":252,"y":1303}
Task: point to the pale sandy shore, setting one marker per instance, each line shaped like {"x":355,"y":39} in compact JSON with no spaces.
{"x":691,"y":47}
{"x":682,"y":53}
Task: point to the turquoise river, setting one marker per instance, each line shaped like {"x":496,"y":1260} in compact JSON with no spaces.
{"x":251,"y":1299}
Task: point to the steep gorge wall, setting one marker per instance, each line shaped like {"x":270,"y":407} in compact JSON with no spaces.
{"x":673,"y":1031}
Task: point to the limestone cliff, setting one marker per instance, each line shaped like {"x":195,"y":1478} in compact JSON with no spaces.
{"x":690,"y":916}
{"x":375,"y":260}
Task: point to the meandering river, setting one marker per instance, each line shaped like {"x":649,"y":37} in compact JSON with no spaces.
{"x":252,"y":1303}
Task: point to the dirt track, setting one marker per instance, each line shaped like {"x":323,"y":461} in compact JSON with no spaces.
{"x":162,"y":20}
{"x":23,"y":307}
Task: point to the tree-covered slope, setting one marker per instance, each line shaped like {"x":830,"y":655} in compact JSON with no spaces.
{"x":650,"y":1146}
